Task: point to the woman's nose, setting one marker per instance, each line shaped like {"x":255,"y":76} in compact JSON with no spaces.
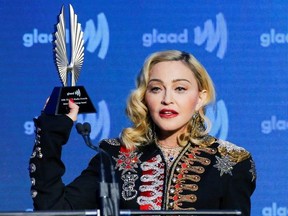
{"x":167,"y":98}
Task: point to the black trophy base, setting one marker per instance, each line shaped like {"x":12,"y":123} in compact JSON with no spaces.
{"x":59,"y":98}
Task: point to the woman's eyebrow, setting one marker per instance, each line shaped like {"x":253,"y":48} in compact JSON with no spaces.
{"x":178,"y":80}
{"x":173,"y":81}
{"x":155,"y":80}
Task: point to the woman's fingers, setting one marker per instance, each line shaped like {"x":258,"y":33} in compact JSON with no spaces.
{"x":74,"y":109}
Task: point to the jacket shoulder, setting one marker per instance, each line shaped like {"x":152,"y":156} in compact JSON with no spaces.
{"x":111,"y":141}
{"x":235,"y":153}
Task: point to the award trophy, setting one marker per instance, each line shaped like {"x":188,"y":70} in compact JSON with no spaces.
{"x":68,"y":71}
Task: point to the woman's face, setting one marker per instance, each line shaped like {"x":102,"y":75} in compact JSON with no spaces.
{"x":172,"y":96}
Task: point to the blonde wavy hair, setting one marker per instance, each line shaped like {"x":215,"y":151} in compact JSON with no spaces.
{"x":142,"y":132}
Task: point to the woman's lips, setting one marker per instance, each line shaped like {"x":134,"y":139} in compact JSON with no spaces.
{"x":168,"y":113}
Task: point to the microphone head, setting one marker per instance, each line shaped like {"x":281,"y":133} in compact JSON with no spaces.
{"x":79,"y":128}
{"x":87,"y":127}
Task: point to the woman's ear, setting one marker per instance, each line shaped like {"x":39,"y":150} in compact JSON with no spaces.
{"x":201,"y":99}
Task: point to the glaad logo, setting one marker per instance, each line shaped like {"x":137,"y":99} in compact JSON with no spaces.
{"x":219,"y":120}
{"x":29,"y":39}
{"x":77,"y":93}
{"x":273,"y":124}
{"x":99,"y":123}
{"x":94,"y":37}
{"x":274,"y":210}
{"x":155,"y":37}
{"x":266,"y":39}
{"x":214,"y":36}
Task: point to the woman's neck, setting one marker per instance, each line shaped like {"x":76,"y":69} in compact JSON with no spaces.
{"x":168,"y":141}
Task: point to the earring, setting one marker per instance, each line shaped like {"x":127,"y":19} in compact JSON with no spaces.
{"x":152,"y":132}
{"x":195,"y":115}
{"x":197,"y":125}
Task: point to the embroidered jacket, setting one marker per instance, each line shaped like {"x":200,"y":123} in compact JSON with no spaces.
{"x":217,"y":175}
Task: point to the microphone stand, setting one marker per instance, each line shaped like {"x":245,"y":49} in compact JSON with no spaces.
{"x":109,"y":192}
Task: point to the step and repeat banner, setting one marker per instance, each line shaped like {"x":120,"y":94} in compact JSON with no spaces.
{"x":243,"y":45}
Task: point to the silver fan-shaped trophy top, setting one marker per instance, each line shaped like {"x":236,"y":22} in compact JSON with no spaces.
{"x":77,"y":49}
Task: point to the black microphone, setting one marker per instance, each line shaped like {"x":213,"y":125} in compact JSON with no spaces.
{"x":85,"y":130}
{"x":109,"y":192}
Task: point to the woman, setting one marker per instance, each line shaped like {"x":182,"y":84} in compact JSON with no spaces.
{"x":166,"y":160}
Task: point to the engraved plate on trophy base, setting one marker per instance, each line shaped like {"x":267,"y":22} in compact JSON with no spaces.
{"x":58,"y":101}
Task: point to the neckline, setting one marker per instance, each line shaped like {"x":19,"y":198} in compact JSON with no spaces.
{"x":170,"y":153}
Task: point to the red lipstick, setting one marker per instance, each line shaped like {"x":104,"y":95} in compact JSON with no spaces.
{"x":168,"y":113}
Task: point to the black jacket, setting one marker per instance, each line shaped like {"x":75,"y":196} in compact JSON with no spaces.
{"x":219,"y":175}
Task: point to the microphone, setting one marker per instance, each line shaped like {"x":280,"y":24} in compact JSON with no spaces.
{"x":85,"y":130}
{"x":109,"y":192}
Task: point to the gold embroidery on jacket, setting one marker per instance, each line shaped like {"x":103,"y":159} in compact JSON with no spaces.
{"x":185,"y":175}
{"x":236,"y":153}
{"x":181,"y":199}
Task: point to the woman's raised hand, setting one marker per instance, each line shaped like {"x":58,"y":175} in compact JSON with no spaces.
{"x":74,"y":109}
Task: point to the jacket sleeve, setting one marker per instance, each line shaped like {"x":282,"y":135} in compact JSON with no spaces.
{"x":46,"y":169}
{"x":240,"y":187}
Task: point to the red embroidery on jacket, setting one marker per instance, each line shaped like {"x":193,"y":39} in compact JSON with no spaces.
{"x":127,"y":160}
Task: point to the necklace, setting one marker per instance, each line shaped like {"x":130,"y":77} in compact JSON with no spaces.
{"x":170,"y":153}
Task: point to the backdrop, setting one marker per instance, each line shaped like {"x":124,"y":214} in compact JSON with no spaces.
{"x":243,"y":46}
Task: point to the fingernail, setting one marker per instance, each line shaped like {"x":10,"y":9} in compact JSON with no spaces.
{"x":71,"y":99}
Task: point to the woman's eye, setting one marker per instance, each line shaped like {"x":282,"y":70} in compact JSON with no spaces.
{"x":180,"y":89}
{"x":155,"y":89}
